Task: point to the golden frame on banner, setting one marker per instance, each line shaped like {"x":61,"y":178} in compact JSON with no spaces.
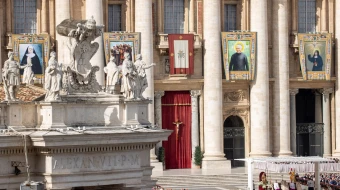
{"x":118,"y":43}
{"x":39,"y":44}
{"x":315,"y":54}
{"x":239,"y":55}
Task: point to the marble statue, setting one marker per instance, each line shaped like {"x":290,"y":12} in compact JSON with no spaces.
{"x":11,"y":77}
{"x":112,"y":77}
{"x":128,"y":78}
{"x":28,"y":75}
{"x":80,"y":72}
{"x":141,"y":82}
{"x":53,"y":77}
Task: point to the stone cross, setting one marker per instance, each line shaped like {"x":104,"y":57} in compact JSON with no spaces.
{"x":177,"y":123}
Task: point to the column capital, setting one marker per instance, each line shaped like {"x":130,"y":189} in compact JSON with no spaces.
{"x":195,"y":93}
{"x":293,"y":91}
{"x":326,"y":91}
{"x":159,"y":94}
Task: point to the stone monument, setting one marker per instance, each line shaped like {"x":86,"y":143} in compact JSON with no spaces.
{"x":80,"y":135}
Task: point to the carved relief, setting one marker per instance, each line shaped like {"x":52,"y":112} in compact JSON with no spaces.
{"x":241,"y":112}
{"x":234,"y":96}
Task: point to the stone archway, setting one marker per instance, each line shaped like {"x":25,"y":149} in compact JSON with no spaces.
{"x":234,"y":140}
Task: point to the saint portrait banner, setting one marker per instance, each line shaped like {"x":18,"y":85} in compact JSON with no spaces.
{"x":181,"y":53}
{"x":116,"y":44}
{"x":32,"y":50}
{"x":239,"y":55}
{"x":315,"y":53}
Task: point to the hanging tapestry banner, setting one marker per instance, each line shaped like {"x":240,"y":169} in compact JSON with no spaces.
{"x":315,"y":53}
{"x":181,"y":51}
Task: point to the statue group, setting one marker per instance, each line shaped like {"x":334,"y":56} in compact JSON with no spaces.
{"x":79,"y":75}
{"x":134,"y":80}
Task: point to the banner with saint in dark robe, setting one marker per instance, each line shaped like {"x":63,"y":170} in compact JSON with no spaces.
{"x":239,"y":51}
{"x":181,"y":53}
{"x":315,"y":53}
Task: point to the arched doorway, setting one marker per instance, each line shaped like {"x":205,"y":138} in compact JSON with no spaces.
{"x":233,"y":133}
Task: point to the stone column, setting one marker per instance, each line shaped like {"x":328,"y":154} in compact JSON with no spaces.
{"x":44,"y":17}
{"x":191,"y":17}
{"x":293,"y":93}
{"x":337,"y":85}
{"x":318,"y":107}
{"x":327,"y":151}
{"x":160,"y":16}
{"x":95,"y":9}
{"x":281,"y":73}
{"x":259,"y":93}
{"x":143,"y":24}
{"x":62,"y":12}
{"x":324,"y":19}
{"x":194,"y":122}
{"x":213,"y":126}
{"x":158,"y":113}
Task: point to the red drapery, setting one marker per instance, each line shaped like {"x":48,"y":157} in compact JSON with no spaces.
{"x":190,"y":39}
{"x":176,"y":106}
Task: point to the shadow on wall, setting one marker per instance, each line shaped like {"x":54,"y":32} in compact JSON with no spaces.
{"x":111,"y":117}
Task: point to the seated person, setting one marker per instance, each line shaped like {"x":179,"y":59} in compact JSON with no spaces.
{"x":263,"y":181}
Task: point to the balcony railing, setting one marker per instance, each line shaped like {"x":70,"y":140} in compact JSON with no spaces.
{"x":309,"y":128}
{"x":163,"y":42}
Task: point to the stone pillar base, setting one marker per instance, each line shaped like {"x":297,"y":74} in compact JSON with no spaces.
{"x":336,"y":154}
{"x":260,"y":154}
{"x":216,"y":164}
{"x":158,"y":166}
{"x":327,"y":155}
{"x":285,"y":153}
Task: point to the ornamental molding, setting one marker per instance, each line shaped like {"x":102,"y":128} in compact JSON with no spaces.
{"x":234,"y":96}
{"x":159,"y":94}
{"x":195,"y":93}
{"x":82,"y":149}
{"x":241,"y":112}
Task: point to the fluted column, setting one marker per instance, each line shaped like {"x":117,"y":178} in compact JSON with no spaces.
{"x":44,"y":17}
{"x":194,"y":122}
{"x":191,"y":17}
{"x":281,"y":73}
{"x":318,"y":107}
{"x":324,"y":20}
{"x":293,"y":93}
{"x":62,"y":12}
{"x":327,"y":151}
{"x":213,"y":126}
{"x":143,"y":24}
{"x":95,"y":9}
{"x":158,"y":114}
{"x":259,"y":93}
{"x":337,"y":85}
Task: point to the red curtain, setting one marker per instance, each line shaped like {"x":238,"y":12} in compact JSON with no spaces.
{"x":190,"y":39}
{"x":176,"y":106}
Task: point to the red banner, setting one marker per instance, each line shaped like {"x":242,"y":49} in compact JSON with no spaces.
{"x":181,"y":53}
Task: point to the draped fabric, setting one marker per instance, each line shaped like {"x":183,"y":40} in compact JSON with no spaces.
{"x":176,"y":106}
{"x":300,"y":168}
{"x":181,"y":51}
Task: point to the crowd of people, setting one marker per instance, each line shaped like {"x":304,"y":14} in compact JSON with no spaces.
{"x":327,"y":180}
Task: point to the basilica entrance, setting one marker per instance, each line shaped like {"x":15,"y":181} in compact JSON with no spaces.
{"x":309,"y":126}
{"x":176,"y":116}
{"x":233,"y":132}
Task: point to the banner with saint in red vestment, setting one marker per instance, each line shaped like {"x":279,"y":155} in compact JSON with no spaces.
{"x":181,"y":53}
